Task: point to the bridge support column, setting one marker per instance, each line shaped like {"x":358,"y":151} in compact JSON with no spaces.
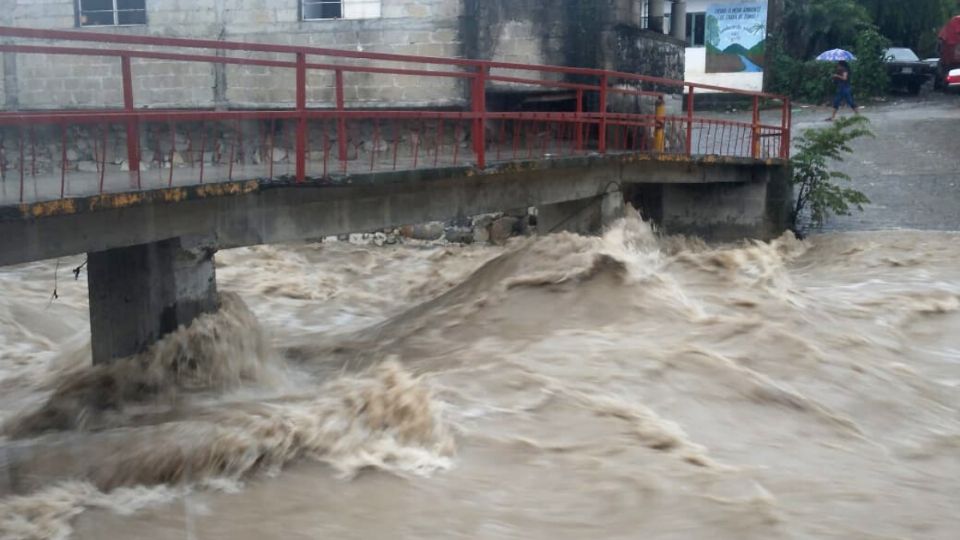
{"x":140,"y":293}
{"x":581,"y":216}
{"x":757,"y":208}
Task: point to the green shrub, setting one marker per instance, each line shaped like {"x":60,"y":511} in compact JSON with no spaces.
{"x":810,"y":81}
{"x":870,"y":77}
{"x":806,"y":82}
{"x":817,"y":194}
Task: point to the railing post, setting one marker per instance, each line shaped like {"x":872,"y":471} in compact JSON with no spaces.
{"x":579,"y":123}
{"x":301,"y":152}
{"x":341,"y":120}
{"x":660,"y":123}
{"x":602,"y":131}
{"x":21,"y":163}
{"x":133,"y":127}
{"x":690,"y":120}
{"x":479,"y":108}
{"x":755,"y":132}
{"x":785,"y":121}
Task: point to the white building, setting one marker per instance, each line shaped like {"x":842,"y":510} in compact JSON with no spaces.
{"x":744,"y":16}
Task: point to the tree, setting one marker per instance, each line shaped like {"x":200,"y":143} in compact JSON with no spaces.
{"x":813,"y":26}
{"x":912,"y":24}
{"x":817,"y":194}
{"x":870,"y":75}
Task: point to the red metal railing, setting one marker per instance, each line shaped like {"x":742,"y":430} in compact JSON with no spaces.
{"x":593,"y":111}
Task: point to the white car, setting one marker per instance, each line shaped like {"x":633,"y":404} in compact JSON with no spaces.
{"x":953,"y":80}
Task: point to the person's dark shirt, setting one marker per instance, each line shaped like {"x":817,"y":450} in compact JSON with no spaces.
{"x":840,"y":80}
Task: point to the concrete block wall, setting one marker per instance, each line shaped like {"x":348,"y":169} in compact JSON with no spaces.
{"x":598,"y":33}
{"x":417,"y":27}
{"x":42,"y":79}
{"x":159,"y":83}
{"x":249,"y":85}
{"x":520,"y":41}
{"x":41,"y":13}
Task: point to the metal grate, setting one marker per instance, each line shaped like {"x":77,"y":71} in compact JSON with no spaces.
{"x":313,"y":10}
{"x":111,"y":12}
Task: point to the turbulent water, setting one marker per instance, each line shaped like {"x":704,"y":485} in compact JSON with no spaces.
{"x":624,"y":386}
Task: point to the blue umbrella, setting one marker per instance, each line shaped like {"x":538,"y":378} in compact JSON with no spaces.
{"x":836,"y":55}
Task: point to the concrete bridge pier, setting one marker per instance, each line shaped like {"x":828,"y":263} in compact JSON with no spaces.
{"x":581,"y":216}
{"x":758,"y":207}
{"x":140,"y":293}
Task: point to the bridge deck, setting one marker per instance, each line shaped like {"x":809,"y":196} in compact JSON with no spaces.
{"x":50,"y":186}
{"x":238,"y":213}
{"x":254,"y":175}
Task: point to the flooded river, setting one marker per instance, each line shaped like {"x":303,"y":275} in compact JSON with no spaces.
{"x":563,"y":387}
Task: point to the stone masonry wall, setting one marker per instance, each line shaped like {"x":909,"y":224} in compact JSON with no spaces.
{"x":421,"y":27}
{"x":650,"y":53}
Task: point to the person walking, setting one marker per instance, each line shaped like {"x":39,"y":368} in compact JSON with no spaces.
{"x":841,"y":78}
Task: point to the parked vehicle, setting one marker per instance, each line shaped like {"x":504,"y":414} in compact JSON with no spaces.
{"x":906,"y":69}
{"x":952,"y":82}
{"x":949,"y":47}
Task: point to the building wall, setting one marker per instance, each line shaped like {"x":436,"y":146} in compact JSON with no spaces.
{"x":590,"y":33}
{"x":640,"y":51}
{"x":696,"y":56}
{"x":696,"y":60}
{"x":581,"y":33}
{"x":421,"y":27}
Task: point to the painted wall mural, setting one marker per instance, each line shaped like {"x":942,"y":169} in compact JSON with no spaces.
{"x":736,"y":38}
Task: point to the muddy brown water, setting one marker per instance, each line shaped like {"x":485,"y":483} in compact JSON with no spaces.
{"x":624,"y":386}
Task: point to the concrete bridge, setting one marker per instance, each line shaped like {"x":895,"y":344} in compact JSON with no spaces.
{"x":187,"y":183}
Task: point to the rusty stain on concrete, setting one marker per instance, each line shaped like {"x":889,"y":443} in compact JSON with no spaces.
{"x":49,"y":208}
{"x":114,"y":200}
{"x":226,"y":188}
{"x":109,"y":201}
